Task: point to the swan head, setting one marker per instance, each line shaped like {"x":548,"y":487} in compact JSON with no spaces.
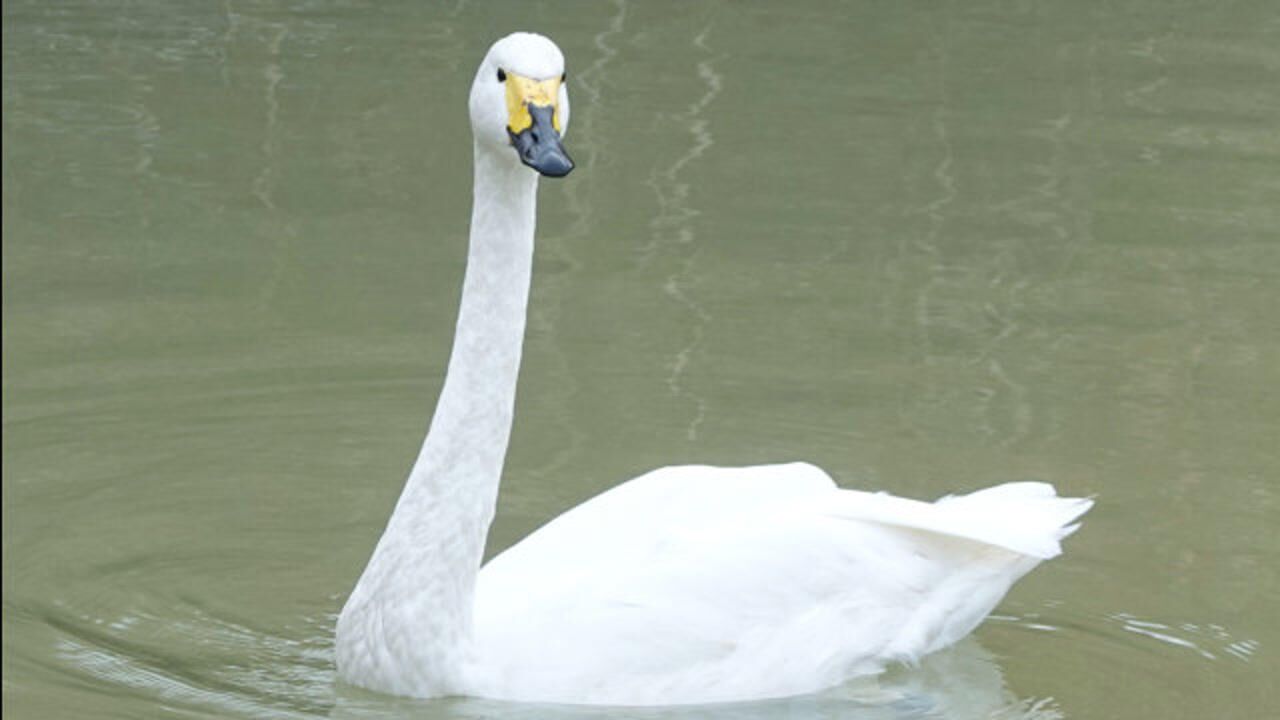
{"x":519,"y":104}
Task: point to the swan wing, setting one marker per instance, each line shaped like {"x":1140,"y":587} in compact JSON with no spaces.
{"x":697,"y":584}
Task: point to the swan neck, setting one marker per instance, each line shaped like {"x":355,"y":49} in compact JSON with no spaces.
{"x":472,"y":421}
{"x":411,"y":611}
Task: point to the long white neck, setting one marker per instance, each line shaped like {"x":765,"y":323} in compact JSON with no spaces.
{"x":406,"y":628}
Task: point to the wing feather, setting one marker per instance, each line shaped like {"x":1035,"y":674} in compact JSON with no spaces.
{"x":714,"y":582}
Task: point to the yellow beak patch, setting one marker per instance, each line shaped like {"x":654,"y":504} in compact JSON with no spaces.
{"x":523,"y":92}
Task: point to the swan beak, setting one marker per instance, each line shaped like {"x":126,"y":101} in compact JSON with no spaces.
{"x":533,"y":124}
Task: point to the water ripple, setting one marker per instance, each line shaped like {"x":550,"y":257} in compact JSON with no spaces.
{"x":673,"y":227}
{"x":1209,"y":641}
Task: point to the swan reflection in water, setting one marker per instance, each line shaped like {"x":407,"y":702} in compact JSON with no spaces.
{"x":962,"y":682}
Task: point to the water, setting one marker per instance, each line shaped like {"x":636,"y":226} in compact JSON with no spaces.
{"x":927,"y":246}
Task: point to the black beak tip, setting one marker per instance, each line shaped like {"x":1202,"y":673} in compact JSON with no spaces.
{"x":554,"y":165}
{"x":539,"y":144}
{"x":546,"y":156}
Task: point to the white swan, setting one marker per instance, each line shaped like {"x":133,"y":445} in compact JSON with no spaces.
{"x":688,"y":584}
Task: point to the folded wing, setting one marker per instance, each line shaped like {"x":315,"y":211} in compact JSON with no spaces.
{"x":697,"y":584}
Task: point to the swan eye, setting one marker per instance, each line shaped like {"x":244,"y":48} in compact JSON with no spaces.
{"x":564,"y":76}
{"x":502,"y":76}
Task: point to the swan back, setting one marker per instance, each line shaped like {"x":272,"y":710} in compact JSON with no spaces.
{"x":696,"y":584}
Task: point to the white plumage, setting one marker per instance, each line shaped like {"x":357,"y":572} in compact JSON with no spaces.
{"x":697,"y":584}
{"x":688,"y":584}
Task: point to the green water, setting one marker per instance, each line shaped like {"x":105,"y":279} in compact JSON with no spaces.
{"x":929,"y":246}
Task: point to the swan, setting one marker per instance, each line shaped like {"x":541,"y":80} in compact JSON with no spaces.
{"x":688,"y":584}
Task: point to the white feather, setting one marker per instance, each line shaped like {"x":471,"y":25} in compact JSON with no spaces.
{"x":689,"y":584}
{"x":700,"y":584}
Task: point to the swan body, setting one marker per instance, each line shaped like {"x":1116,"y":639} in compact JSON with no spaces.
{"x":689,"y":584}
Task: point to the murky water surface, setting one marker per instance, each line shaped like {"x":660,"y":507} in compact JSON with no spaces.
{"x":928,"y":246}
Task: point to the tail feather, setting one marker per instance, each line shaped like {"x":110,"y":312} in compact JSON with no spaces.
{"x":1025,"y":517}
